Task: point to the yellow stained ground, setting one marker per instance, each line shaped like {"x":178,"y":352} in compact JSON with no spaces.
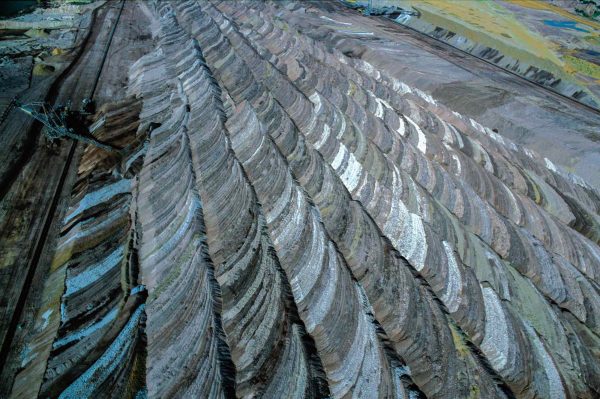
{"x":491,"y":24}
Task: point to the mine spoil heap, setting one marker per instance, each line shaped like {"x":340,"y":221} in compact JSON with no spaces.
{"x":285,"y":220}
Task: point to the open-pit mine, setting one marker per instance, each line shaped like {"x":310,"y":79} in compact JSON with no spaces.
{"x":287,"y":199}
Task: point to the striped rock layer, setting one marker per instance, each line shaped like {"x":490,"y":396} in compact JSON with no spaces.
{"x":97,"y":350}
{"x":289,"y":221}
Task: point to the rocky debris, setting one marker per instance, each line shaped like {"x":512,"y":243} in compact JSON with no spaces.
{"x":288,"y":221}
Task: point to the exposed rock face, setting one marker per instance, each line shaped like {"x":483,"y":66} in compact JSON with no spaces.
{"x":287,"y":221}
{"x":97,"y":349}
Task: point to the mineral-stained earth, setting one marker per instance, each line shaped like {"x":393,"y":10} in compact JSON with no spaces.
{"x":288,"y":212}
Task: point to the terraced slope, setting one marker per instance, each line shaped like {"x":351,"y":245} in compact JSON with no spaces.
{"x":288,"y":221}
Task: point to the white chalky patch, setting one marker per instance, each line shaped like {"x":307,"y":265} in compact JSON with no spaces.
{"x":324,"y":137}
{"x":369,"y":70}
{"x":46,"y":317}
{"x":421,"y":139}
{"x":379,"y":110}
{"x":529,"y":153}
{"x":401,"y":126}
{"x":404,"y":229}
{"x":366,"y":67}
{"x":339,"y":157}
{"x":477,"y":126}
{"x":315,"y":98}
{"x":425,"y":96}
{"x":334,"y":21}
{"x":349,"y":32}
{"x":403,"y":18}
{"x":458,"y":166}
{"x":416,"y":250}
{"x":451,"y":296}
{"x":495,"y":136}
{"x":550,"y":165}
{"x":555,"y":387}
{"x":380,"y":104}
{"x":351,"y":176}
{"x":400,"y":87}
{"x":496,"y":343}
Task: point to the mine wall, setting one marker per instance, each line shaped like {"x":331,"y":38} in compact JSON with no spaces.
{"x":285,"y":220}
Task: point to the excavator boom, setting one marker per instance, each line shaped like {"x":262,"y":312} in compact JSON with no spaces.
{"x":62,"y":122}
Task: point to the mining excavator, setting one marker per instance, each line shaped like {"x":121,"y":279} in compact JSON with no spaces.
{"x":62,"y":121}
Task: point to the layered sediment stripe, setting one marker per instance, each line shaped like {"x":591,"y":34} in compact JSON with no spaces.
{"x":257,"y":155}
{"x":317,"y":105}
{"x":98,"y":349}
{"x":381,"y":272}
{"x":322,"y":73}
{"x":309,"y":226}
